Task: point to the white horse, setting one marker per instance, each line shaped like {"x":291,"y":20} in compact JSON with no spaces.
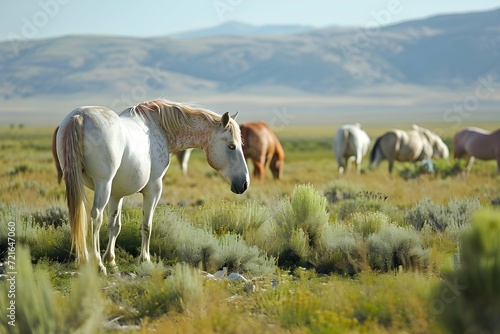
{"x":350,"y":143}
{"x":439,"y":148}
{"x":121,"y":155}
{"x":400,"y":145}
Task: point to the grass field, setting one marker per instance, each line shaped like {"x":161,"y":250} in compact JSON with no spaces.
{"x":325,"y":254}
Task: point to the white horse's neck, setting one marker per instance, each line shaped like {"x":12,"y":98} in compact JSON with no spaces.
{"x":197,"y":136}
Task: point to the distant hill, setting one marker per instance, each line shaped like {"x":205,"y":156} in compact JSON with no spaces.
{"x":233,"y":28}
{"x":444,"y":51}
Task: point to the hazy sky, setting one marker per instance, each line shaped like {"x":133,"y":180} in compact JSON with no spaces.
{"x":44,"y":18}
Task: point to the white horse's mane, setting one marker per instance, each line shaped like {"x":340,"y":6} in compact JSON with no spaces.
{"x":175,"y":116}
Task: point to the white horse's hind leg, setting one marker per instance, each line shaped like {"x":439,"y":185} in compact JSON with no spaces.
{"x":358,"y":164}
{"x":349,"y":162}
{"x":151,"y":193}
{"x":101,"y":198}
{"x":340,"y":161}
{"x":115,"y":225}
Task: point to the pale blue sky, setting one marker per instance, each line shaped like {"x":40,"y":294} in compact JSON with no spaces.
{"x":48,"y":18}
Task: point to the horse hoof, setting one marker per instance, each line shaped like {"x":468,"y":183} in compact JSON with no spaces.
{"x":102,"y":270}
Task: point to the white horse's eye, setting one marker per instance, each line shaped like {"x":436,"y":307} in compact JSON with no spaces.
{"x":232,"y":146}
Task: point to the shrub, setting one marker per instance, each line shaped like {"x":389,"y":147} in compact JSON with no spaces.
{"x":44,"y":241}
{"x":445,"y":168}
{"x":393,"y":246}
{"x":468,"y":299}
{"x":340,"y":191}
{"x":456,"y":215}
{"x":301,"y":221}
{"x":369,"y":222}
{"x":180,"y":292}
{"x":186,"y":284}
{"x":52,"y":217}
{"x":47,"y":241}
{"x":229,"y":217}
{"x":19,"y":169}
{"x":440,"y":167}
{"x":234,"y":253}
{"x":339,"y":252}
{"x":415,"y":169}
{"x":175,"y":239}
{"x":365,"y":204}
{"x":40,"y":310}
{"x":299,"y":309}
{"x":306,"y":210}
{"x":395,"y":303}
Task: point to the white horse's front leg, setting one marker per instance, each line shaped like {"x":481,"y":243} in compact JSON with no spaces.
{"x":151,"y":193}
{"x":469,"y":164}
{"x":115,"y":225}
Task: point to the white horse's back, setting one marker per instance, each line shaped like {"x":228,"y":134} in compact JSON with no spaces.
{"x":401,"y":145}
{"x":109,"y":138}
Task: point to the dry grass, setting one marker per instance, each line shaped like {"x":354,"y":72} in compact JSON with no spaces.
{"x":302,"y":302}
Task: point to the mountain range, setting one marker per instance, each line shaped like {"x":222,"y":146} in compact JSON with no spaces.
{"x":234,"y":28}
{"x":447,"y":51}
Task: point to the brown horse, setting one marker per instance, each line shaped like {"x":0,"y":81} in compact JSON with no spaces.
{"x":261,"y":145}
{"x":477,"y":143}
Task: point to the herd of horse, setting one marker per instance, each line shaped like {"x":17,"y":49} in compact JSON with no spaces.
{"x":117,"y":155}
{"x":351,"y":143}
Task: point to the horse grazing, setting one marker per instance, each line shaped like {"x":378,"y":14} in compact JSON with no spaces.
{"x":119,"y":155}
{"x":350,"y":143}
{"x":439,"y":148}
{"x":415,"y":145}
{"x":261,"y":145}
{"x":400,"y":145}
{"x":477,"y":143}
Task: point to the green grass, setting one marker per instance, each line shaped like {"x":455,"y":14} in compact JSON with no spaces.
{"x":323,"y":254}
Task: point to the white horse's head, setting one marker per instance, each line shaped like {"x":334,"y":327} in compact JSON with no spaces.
{"x":441,"y":150}
{"x":225,"y":154}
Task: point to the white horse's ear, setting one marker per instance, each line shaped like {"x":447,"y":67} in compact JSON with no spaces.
{"x":225,"y":120}
{"x":235,"y":115}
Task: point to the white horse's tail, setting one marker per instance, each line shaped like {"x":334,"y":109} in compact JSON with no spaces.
{"x":375,"y":149}
{"x":72,"y":150}
{"x":346,"y":135}
{"x":54,"y":155}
